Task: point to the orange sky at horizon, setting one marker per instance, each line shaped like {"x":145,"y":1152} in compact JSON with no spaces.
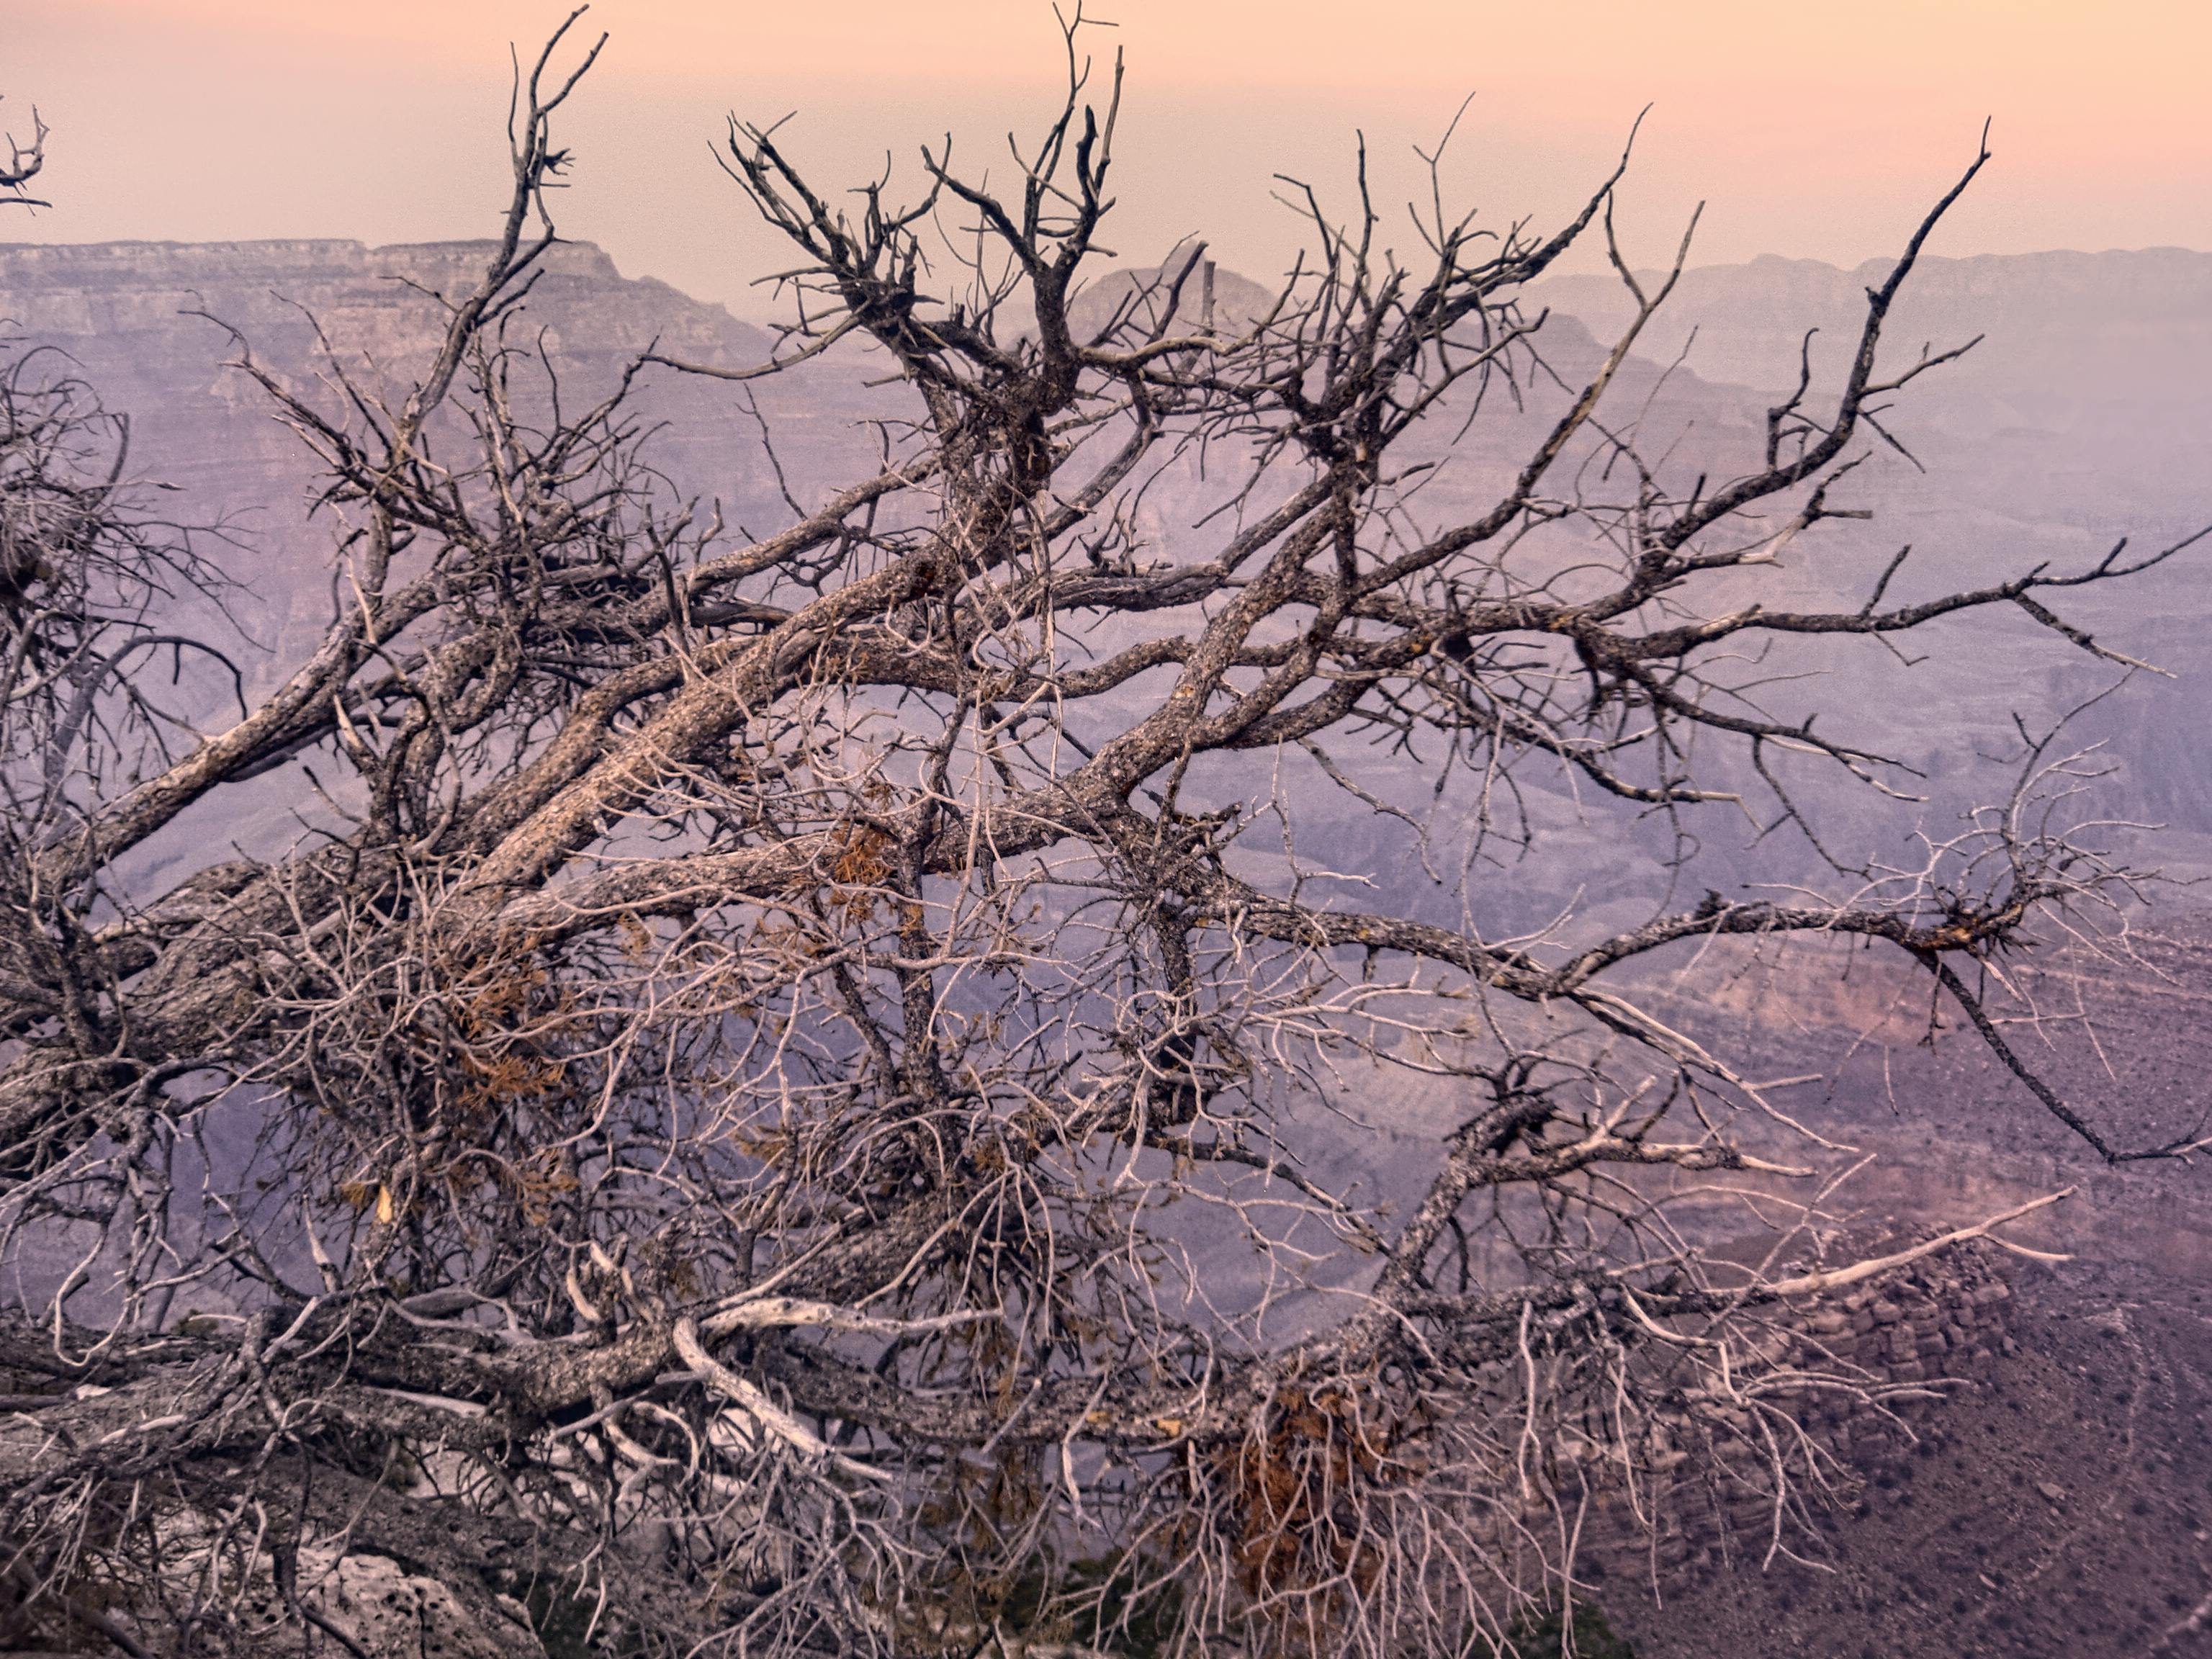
{"x":1813,"y":132}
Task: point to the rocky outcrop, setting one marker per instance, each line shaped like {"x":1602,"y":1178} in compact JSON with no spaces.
{"x":146,"y":325}
{"x":389,"y":1613}
{"x":1905,"y":1342}
{"x":368,"y":299}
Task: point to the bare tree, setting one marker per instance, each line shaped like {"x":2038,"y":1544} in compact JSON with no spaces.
{"x":24,"y":163}
{"x":789,"y":1106}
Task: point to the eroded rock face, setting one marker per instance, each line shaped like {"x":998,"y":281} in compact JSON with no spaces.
{"x":147,"y":326}
{"x":368,"y":299}
{"x":370,"y":1602}
{"x":394,"y":1615}
{"x":1907,"y":1343}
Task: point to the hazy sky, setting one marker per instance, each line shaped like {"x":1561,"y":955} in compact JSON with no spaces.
{"x":1812,"y":130}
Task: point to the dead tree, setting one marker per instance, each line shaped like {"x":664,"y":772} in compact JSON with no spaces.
{"x":767,"y":1076}
{"x":24,"y":163}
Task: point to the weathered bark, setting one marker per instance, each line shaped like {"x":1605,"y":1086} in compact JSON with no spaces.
{"x":735,"y":1081}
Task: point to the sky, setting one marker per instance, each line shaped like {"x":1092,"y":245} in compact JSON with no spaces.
{"x":1819,"y":132}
